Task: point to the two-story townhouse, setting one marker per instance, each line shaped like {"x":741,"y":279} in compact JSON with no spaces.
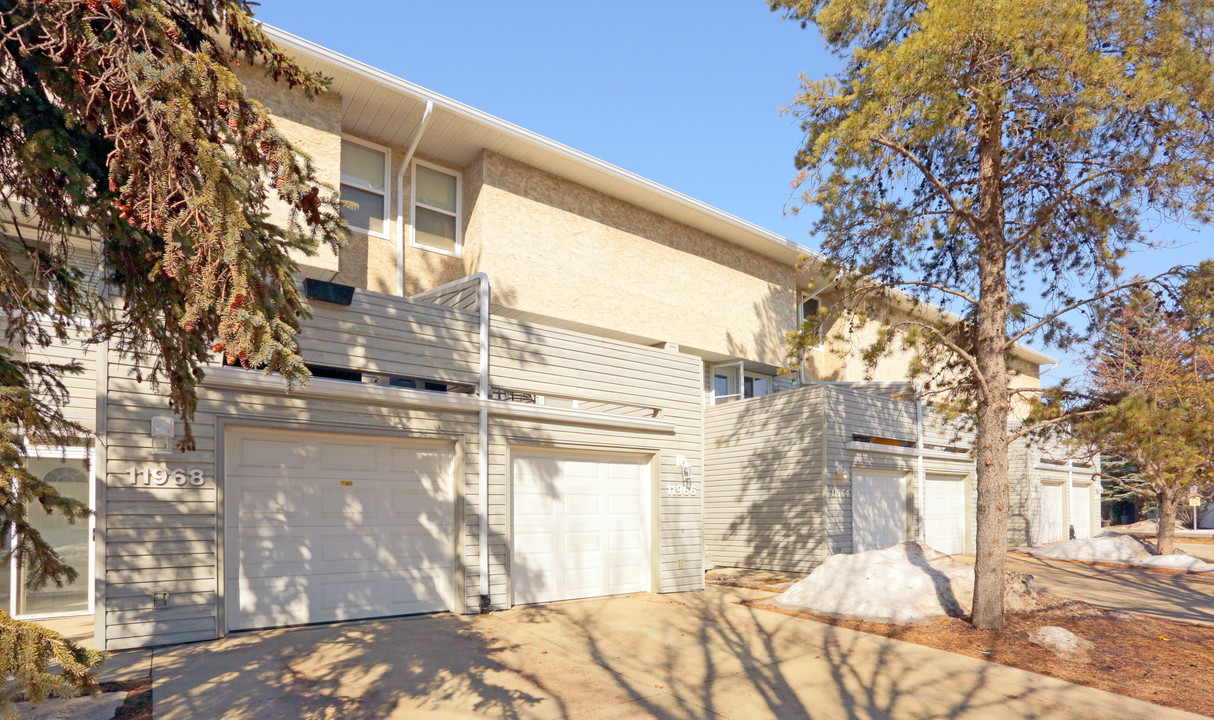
{"x":538,"y":377}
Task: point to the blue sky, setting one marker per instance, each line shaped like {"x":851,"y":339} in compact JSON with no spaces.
{"x":684,"y":93}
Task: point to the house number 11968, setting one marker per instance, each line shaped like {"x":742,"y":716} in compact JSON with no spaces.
{"x":164,"y":476}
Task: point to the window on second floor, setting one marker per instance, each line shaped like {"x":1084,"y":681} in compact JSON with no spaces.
{"x":808,"y":308}
{"x":364,"y":180}
{"x":756,"y":385}
{"x":436,"y":208}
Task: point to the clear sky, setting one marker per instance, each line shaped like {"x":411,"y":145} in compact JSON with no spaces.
{"x":684,"y":93}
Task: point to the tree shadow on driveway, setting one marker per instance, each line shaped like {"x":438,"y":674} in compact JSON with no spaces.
{"x":685,"y":656}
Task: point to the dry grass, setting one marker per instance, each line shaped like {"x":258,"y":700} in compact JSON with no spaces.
{"x":1161,"y":661}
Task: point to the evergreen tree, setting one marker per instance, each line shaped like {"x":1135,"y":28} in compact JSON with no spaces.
{"x":973,"y":154}
{"x":122,"y":124}
{"x":1151,"y":378}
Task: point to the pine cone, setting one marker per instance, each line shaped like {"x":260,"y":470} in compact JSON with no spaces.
{"x":232,"y":123}
{"x":95,"y":5}
{"x":117,"y":4}
{"x":223,"y":104}
{"x":191,"y":325}
{"x":280,"y":182}
{"x":218,"y":347}
{"x":239,"y":300}
{"x":172,"y":33}
{"x":265,"y":147}
{"x":113,"y":184}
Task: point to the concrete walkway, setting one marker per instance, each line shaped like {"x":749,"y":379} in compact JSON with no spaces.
{"x":1170,"y":595}
{"x":692,"y":655}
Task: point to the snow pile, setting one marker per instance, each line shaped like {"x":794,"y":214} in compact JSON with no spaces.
{"x":1064,"y":643}
{"x":902,"y":584}
{"x":1111,"y":547}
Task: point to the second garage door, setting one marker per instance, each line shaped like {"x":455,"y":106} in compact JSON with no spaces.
{"x":944,"y":513}
{"x":581,"y":526}
{"x":1051,"y":513}
{"x":1081,"y":510}
{"x":335,"y":527}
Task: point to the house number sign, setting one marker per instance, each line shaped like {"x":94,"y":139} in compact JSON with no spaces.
{"x":166,"y":476}
{"x":681,"y":490}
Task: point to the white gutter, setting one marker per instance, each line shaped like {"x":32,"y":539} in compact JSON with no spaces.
{"x":414,"y":139}
{"x":345,"y":391}
{"x":919,"y":473}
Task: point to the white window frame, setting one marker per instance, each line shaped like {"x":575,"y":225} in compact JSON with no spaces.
{"x":387,"y":231}
{"x":803,"y":297}
{"x":771,"y":381}
{"x":735,"y":368}
{"x":71,"y":452}
{"x":459,"y":208}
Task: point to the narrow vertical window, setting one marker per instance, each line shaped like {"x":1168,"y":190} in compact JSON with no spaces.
{"x":436,"y":209}
{"x":364,"y":172}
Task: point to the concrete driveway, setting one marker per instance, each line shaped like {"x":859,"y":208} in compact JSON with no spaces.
{"x":692,"y":655}
{"x":1175,"y":596}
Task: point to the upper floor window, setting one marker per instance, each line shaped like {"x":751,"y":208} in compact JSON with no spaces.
{"x":755,"y":385}
{"x":364,"y":180}
{"x":808,"y":308}
{"x":436,"y":208}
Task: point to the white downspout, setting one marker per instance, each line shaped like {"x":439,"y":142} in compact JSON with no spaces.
{"x":414,"y":139}
{"x":919,"y":472}
{"x":1070,"y":496}
{"x":483,"y":389}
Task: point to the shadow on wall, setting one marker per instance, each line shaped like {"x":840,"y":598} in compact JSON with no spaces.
{"x":764,"y":496}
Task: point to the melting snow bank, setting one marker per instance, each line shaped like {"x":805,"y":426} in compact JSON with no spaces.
{"x":905,"y":583}
{"x":1111,"y":547}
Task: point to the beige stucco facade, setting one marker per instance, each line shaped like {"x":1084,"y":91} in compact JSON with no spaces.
{"x":557,"y":249}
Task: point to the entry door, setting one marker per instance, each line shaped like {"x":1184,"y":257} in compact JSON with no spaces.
{"x":1051,"y":513}
{"x":335,"y":527}
{"x":878,"y":509}
{"x":1081,"y":510}
{"x":944,"y":513}
{"x":581,"y":527}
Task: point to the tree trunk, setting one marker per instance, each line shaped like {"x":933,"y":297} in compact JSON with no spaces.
{"x":1169,"y":502}
{"x":992,"y":412}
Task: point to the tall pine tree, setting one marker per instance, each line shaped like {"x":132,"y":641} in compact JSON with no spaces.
{"x":975,"y":154}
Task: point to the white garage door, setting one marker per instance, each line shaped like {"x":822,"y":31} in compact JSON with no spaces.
{"x":581,"y":527}
{"x":1081,"y":510}
{"x":1051,"y":514}
{"x":944,"y":513}
{"x":878,"y":509}
{"x":335,"y":527}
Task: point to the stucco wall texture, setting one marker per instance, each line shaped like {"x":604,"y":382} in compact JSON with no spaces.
{"x":314,"y":127}
{"x":558,"y":248}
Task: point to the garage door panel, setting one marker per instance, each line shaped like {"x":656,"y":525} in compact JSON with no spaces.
{"x":580,"y":528}
{"x":944,"y":501}
{"x":358,"y":529}
{"x":348,"y":457}
{"x":878,"y":509}
{"x":1051,"y":512}
{"x":1081,"y":510}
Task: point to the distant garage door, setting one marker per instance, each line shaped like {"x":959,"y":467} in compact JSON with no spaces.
{"x":1081,"y":510}
{"x":944,"y":513}
{"x":878,"y":509}
{"x":335,"y":527}
{"x":581,"y":527}
{"x":1051,"y":513}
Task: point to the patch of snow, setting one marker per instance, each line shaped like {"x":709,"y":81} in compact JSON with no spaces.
{"x":1111,"y":547}
{"x":1064,"y":643}
{"x":905,"y":583}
